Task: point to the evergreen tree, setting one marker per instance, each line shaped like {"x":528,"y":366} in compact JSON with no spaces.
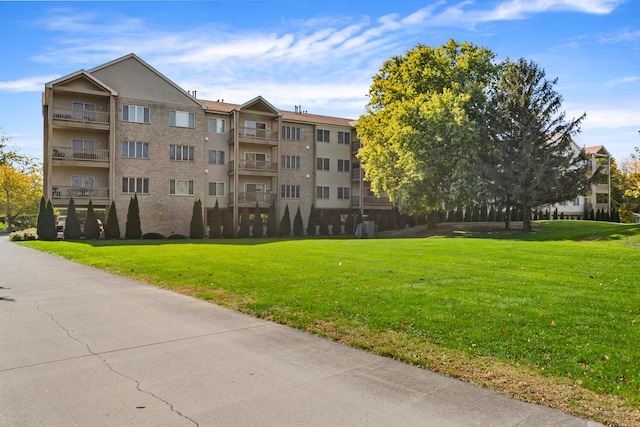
{"x":311,"y":223}
{"x":298,"y":226}
{"x":51,"y":221}
{"x":196,"y":227}
{"x":41,"y":222}
{"x":285,"y":223}
{"x":112,"y":226}
{"x":227,"y":228}
{"x":72,"y":229}
{"x":324,"y":223}
{"x":46,"y":226}
{"x":91,"y":227}
{"x":272,"y":221}
{"x":555,"y":213}
{"x":245,"y":223}
{"x":257,"y":225}
{"x":349,"y":223}
{"x":215,"y":229}
{"x":132,"y":228}
{"x":336,"y":224}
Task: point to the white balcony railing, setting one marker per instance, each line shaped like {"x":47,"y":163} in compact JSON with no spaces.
{"x":91,"y":154}
{"x":93,"y":193}
{"x":82,"y":116}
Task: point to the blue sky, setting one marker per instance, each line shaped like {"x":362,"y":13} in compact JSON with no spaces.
{"x":322,"y":54}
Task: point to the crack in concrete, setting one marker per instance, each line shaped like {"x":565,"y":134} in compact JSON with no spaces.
{"x":103,"y":360}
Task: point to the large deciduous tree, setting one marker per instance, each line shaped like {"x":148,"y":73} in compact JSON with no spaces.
{"x":531,"y":159}
{"x":425,"y":123}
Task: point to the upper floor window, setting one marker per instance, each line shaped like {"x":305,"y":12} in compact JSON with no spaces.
{"x":182,"y":119}
{"x":343,"y":165}
{"x":322,"y":164}
{"x":216,"y":157}
{"x":290,"y":191}
{"x":83,"y":111}
{"x":344,"y":138}
{"x":181,"y":187}
{"x":290,"y":162}
{"x":135,"y":113}
{"x":322,"y":192}
{"x":182,"y":153}
{"x":323,"y":135}
{"x":216,"y":189}
{"x":217,"y":125}
{"x":134,"y":149}
{"x":135,"y":185}
{"x":290,"y":132}
{"x":343,"y":193}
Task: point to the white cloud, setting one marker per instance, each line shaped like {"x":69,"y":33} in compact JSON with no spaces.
{"x":28,"y":84}
{"x":622,"y":81}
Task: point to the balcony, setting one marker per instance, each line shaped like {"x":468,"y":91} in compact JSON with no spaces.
{"x":355,"y":146}
{"x":371,"y":202}
{"x":249,"y":199}
{"x":80,"y":118}
{"x":60,"y":193}
{"x":254,"y":167}
{"x":355,"y":174}
{"x":80,"y":154}
{"x":602,"y":188}
{"x":255,"y":136}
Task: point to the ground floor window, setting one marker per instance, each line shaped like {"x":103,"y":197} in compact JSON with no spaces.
{"x":181,"y":187}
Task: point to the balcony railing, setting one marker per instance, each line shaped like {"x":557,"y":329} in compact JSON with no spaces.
{"x":355,"y":173}
{"x":355,"y":146}
{"x":602,"y":188}
{"x":370,"y":201}
{"x":82,"y":116}
{"x":91,"y":154}
{"x":259,"y":136}
{"x":254,"y":166}
{"x":253,"y":198}
{"x":94,"y":193}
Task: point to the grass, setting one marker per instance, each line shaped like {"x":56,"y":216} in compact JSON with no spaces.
{"x":551,"y":317}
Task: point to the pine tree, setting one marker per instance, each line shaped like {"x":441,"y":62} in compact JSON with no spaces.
{"x":91,"y":227}
{"x":311,"y":223}
{"x":112,"y":226}
{"x":196,"y":227}
{"x":349,"y":223}
{"x":227,"y":228}
{"x":132,"y":227}
{"x":46,"y":228}
{"x":272,"y":221}
{"x":257,"y":226}
{"x":51,"y":221}
{"x":285,"y":223}
{"x":72,"y":229}
{"x":298,"y":226}
{"x":245,"y":224}
{"x":336,"y":224}
{"x":215,"y":231}
{"x":324,"y":223}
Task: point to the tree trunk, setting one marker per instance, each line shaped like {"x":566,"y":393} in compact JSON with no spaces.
{"x":526,"y":218}
{"x":432,"y":220}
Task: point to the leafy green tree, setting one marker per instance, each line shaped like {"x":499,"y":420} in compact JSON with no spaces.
{"x":324,"y":223}
{"x":245,"y":224}
{"x":311,"y":222}
{"x":530,"y":161}
{"x":72,"y":229}
{"x":272,"y":221}
{"x":298,"y":226}
{"x":625,"y":186}
{"x":257,"y":226}
{"x":425,"y":124}
{"x":91,"y":227}
{"x":133,"y":228}
{"x":228,"y":230}
{"x":112,"y":225}
{"x":196,"y":227}
{"x":285,"y":223}
{"x":215,"y":230}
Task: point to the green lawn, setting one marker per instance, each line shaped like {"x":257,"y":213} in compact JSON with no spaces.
{"x":561,"y":303}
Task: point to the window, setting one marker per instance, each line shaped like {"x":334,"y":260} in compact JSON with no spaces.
{"x":216,"y":157}
{"x":255,"y":157}
{"x":135,"y":113}
{"x":82,"y":181}
{"x":135,"y":150}
{"x":83,"y":111}
{"x":181,"y":153}
{"x":255,"y":188}
{"x":322,"y":164}
{"x":322,"y":192}
{"x":290,"y":132}
{"x":290,"y":162}
{"x":257,"y":129}
{"x":343,"y":193}
{"x":343,"y":165}
{"x":181,"y":187}
{"x":290,"y":191}
{"x":182,"y":119}
{"x":216,"y":189}
{"x":344,"y":138}
{"x":576,"y":201}
{"x":135,"y":185}
{"x":217,"y":125}
{"x":322,"y":135}
{"x":83,"y":148}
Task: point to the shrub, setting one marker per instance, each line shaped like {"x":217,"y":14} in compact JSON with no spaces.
{"x":382,"y":221}
{"x":132,"y":227}
{"x":324,"y":223}
{"x":257,"y":226}
{"x":298,"y":227}
{"x":22,"y":235}
{"x":311,"y":223}
{"x":153,"y":236}
{"x":46,"y":228}
{"x":215,"y":229}
{"x":245,"y":224}
{"x":285,"y":223}
{"x":196,"y":227}
{"x":336,"y":224}
{"x":227,"y":228}
{"x":72,"y":228}
{"x":112,"y":226}
{"x":177,"y":236}
{"x":349,"y":223}
{"x":272,"y":222}
{"x":91,"y":227}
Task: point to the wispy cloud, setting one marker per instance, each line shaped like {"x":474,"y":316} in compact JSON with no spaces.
{"x":622,"y":81}
{"x":29,"y":84}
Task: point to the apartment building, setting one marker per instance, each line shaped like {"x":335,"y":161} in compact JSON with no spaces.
{"x":123,"y":128}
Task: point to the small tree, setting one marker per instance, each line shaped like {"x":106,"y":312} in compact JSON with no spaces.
{"x":227,"y":228}
{"x":324,"y":223}
{"x":298,"y":227}
{"x":245,"y":223}
{"x":272,"y":222}
{"x":349,"y":223}
{"x":336,"y":224}
{"x":46,"y":226}
{"x":215,"y":230}
{"x":257,"y":226}
{"x":51,"y":220}
{"x":132,"y":227}
{"x":382,"y":221}
{"x":72,"y":229}
{"x":311,"y":223}
{"x":285,"y":223}
{"x":112,"y":226}
{"x":196,"y":228}
{"x":91,"y":227}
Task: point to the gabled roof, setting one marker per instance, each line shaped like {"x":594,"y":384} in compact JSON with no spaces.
{"x":81,"y":74}
{"x":259,"y":104}
{"x":596,"y":149}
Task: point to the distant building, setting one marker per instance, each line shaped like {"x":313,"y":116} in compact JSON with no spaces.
{"x":123,"y":128}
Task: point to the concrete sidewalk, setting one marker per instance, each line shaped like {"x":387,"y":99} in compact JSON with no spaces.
{"x":79,"y":346}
